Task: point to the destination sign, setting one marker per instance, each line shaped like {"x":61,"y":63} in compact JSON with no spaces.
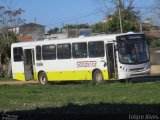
{"x":130,"y":37}
{"x":134,"y":36}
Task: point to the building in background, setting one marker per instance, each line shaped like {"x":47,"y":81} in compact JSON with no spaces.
{"x":73,"y":32}
{"x":56,"y":36}
{"x":29,"y":32}
{"x":149,"y":28}
{"x":69,"y":33}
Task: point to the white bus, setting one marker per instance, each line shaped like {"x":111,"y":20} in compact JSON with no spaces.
{"x":97,"y":58}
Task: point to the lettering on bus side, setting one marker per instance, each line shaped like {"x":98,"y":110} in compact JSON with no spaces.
{"x":86,"y":64}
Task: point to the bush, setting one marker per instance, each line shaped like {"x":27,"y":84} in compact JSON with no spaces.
{"x":153,"y":41}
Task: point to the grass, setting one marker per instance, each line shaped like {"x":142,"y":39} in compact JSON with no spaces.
{"x":6,"y":79}
{"x":31,"y":96}
{"x":156,"y":74}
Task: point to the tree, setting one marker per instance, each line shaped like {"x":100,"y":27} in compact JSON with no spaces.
{"x":156,"y":12}
{"x":53,"y":31}
{"x":100,"y":28}
{"x":129,"y":18}
{"x":6,"y":39}
{"x":75,"y":26}
{"x":9,"y":18}
{"x":109,"y":6}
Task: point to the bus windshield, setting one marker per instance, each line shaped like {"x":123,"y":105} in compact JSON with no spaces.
{"x":132,"y":49}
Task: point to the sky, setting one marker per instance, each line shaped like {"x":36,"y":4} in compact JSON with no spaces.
{"x":55,"y":13}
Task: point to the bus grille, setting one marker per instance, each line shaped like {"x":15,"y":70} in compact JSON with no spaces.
{"x":137,"y":69}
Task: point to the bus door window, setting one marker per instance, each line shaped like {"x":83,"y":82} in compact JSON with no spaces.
{"x":28,"y":64}
{"x":111,"y":60}
{"x":28,"y":57}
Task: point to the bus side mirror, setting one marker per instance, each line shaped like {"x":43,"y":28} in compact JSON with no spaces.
{"x":116,"y":48}
{"x":22,"y":57}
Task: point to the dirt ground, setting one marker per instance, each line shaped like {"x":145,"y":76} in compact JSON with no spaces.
{"x":155,"y":69}
{"x":18,"y":82}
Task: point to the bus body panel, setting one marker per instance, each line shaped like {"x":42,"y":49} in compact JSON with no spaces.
{"x":17,"y":68}
{"x":130,"y":71}
{"x":72,"y":69}
{"x":75,"y":68}
{"x":18,"y":71}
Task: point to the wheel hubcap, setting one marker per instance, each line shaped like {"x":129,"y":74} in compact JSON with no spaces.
{"x":99,"y":78}
{"x":43,"y":79}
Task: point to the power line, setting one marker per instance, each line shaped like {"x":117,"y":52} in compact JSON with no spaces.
{"x":74,"y":18}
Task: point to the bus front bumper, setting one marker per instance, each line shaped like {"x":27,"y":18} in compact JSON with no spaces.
{"x":131,"y":74}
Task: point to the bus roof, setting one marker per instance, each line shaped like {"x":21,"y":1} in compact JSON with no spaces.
{"x":70,"y":40}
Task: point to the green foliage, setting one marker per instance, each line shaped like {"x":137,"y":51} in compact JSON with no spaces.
{"x":73,"y":26}
{"x":9,"y":18}
{"x":53,"y":31}
{"x":6,"y":79}
{"x":112,"y":25}
{"x":6,"y":39}
{"x":153,"y":41}
{"x":100,"y":28}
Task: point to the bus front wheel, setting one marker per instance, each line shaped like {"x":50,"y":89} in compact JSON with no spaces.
{"x":42,"y":78}
{"x":97,"y":76}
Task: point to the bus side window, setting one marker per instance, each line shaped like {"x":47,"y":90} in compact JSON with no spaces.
{"x":79,"y":50}
{"x":18,"y":54}
{"x":64,"y":51}
{"x":38,"y":52}
{"x":49,"y":52}
{"x":96,"y":49}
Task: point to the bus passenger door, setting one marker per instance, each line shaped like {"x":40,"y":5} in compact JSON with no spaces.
{"x":111,"y":61}
{"x":29,"y":64}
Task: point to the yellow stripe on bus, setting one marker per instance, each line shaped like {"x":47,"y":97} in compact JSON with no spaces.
{"x":19,"y":76}
{"x":35,"y":76}
{"x":69,"y":75}
{"x":73,"y":75}
{"x":64,"y":76}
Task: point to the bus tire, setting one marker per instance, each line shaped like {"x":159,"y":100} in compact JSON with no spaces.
{"x":97,"y":77}
{"x":42,"y":78}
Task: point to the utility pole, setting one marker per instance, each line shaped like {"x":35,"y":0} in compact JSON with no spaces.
{"x":35,"y":20}
{"x":139,"y":21}
{"x":62,"y":27}
{"x":141,"y":28}
{"x":76,"y":30}
{"x":120,"y":16}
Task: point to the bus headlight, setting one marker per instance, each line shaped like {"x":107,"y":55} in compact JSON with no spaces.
{"x":127,"y":70}
{"x":148,"y":67}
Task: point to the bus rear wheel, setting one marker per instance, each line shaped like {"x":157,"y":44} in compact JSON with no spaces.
{"x":98,"y":77}
{"x":42,"y":78}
